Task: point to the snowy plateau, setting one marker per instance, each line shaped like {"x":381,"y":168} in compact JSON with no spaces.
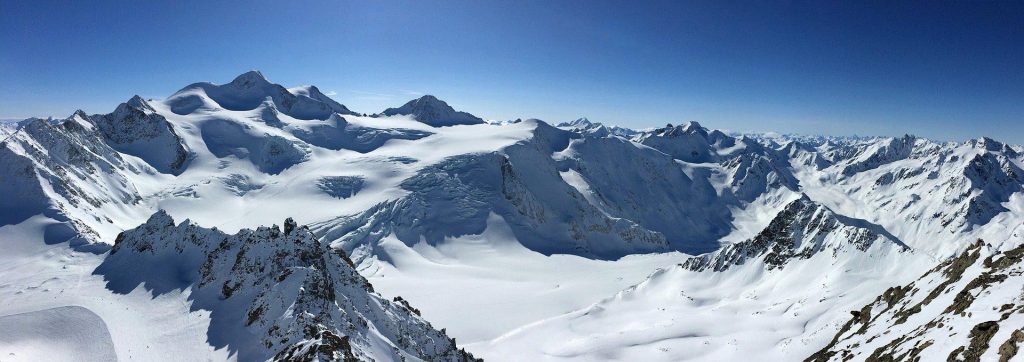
{"x":248,"y":221}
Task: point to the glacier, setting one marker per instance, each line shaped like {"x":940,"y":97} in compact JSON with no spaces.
{"x":501,"y":240}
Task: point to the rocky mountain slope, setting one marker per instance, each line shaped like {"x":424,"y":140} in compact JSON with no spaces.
{"x":968,"y":308}
{"x":273,"y":293}
{"x":136,"y":129}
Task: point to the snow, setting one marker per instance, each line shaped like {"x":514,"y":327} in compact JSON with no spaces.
{"x":522,"y":240}
{"x":979,"y":288}
{"x":69,"y":333}
{"x":432,"y":111}
{"x":40,"y":276}
{"x":296,"y":296}
{"x":491,"y":277}
{"x":681,"y":315}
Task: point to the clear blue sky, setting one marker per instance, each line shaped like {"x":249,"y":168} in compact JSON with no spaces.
{"x":940,"y":70}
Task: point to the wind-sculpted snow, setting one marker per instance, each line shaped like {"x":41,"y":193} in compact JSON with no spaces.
{"x":968,"y":308}
{"x":435,"y":112}
{"x":69,"y":333}
{"x":272,"y":293}
{"x":770,"y":295}
{"x":269,"y":153}
{"x":678,"y":315}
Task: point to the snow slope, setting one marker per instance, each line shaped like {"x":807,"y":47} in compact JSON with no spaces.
{"x":58,"y":334}
{"x":525,"y":240}
{"x":432,"y":111}
{"x":770,"y":295}
{"x":40,"y":275}
{"x":967,"y":308}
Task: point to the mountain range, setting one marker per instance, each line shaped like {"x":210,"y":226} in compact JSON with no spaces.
{"x":426,"y":233}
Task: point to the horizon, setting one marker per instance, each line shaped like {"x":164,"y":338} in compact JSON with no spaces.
{"x":950,"y":72}
{"x":538,"y":180}
{"x":331,"y":94}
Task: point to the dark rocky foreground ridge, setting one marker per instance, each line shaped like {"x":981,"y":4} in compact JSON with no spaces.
{"x":273,"y":293}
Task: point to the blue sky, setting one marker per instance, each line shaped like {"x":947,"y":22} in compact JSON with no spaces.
{"x":949,"y":71}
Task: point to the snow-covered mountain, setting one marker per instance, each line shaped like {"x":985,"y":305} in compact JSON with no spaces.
{"x":136,"y":129}
{"x":435,"y":112}
{"x":765,"y":294}
{"x":801,"y":230}
{"x":250,"y":90}
{"x":521,"y":239}
{"x":968,"y":308}
{"x":585,"y":125}
{"x":273,"y":293}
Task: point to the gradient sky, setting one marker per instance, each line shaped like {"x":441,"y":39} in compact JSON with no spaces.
{"x":948,"y":71}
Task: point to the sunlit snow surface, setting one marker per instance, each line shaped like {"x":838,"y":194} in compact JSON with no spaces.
{"x":38,"y":277}
{"x":58,"y":334}
{"x":522,"y":240}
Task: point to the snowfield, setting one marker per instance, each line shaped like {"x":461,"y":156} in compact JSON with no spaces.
{"x":59,"y":334}
{"x":426,"y":233}
{"x":38,"y":276}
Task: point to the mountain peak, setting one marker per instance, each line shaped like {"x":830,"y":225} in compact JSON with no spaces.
{"x":160,"y":218}
{"x":582,"y":122}
{"x":249,"y":90}
{"x":250,"y":79}
{"x":430,"y":98}
{"x":291,"y":294}
{"x":138,"y":103}
{"x":80,"y":119}
{"x":315,"y":92}
{"x":687,"y":128}
{"x":990,"y":144}
{"x":691,"y":125}
{"x":432,"y":111}
{"x":430,"y":101}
